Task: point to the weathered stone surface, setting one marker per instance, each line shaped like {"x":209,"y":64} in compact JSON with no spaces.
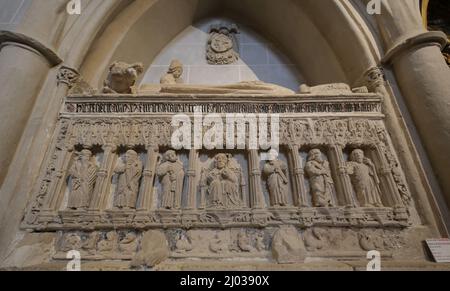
{"x":348,"y":179}
{"x":152,"y":250}
{"x":288,"y":246}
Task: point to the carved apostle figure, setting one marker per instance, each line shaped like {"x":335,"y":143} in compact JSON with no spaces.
{"x":84,"y":174}
{"x":277,"y":182}
{"x":222,"y":45}
{"x":174,"y":74}
{"x":171,"y":174}
{"x":223,"y":184}
{"x":130,"y":171}
{"x":122,"y":78}
{"x":364,"y":179}
{"x":320,"y":181}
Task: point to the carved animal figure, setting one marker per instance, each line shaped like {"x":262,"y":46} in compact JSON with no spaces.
{"x":122,"y":77}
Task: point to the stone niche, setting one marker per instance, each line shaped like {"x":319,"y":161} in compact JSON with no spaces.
{"x":114,"y":189}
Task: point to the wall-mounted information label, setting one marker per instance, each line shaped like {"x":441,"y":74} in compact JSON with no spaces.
{"x":440,"y":249}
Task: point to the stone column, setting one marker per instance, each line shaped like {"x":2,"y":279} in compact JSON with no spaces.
{"x":55,"y":190}
{"x":388,"y":183}
{"x":23,"y":61}
{"x":388,"y":186}
{"x":423,"y":77}
{"x":299,"y":188}
{"x":101,"y":193}
{"x":256,"y":194}
{"x":146,"y":201}
{"x":192,"y":177}
{"x":343,"y":184}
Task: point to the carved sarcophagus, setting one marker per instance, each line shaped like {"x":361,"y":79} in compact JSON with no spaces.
{"x":194,"y":169}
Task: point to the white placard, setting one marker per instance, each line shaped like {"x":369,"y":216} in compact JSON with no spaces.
{"x":440,"y":249}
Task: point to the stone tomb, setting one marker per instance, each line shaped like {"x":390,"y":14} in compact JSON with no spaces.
{"x":113,"y":188}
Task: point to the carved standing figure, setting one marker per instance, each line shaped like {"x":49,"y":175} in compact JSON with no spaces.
{"x":171,"y":174}
{"x":174,"y":74}
{"x":84,"y":174}
{"x":223,"y":184}
{"x":277,"y":182}
{"x":122,"y":78}
{"x":321,"y":183}
{"x":364,"y":179}
{"x":130,"y":172}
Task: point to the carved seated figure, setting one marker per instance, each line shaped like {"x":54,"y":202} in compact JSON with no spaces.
{"x":223,"y":182}
{"x":122,"y":78}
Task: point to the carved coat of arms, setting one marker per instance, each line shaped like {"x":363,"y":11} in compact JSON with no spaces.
{"x":222,"y":48}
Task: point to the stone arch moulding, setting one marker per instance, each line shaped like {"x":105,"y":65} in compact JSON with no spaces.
{"x":143,"y":28}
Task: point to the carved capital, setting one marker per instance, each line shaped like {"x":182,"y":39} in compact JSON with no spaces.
{"x":109,"y":147}
{"x":72,"y":78}
{"x":68,"y":76}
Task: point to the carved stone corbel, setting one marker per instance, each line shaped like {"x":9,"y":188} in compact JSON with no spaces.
{"x":73,"y":80}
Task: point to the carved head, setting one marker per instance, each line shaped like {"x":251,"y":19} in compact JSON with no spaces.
{"x":221,"y":161}
{"x":315,"y":155}
{"x":85,"y":155}
{"x":170,"y":156}
{"x":357,"y":156}
{"x":176,"y":69}
{"x":131,"y":156}
{"x":122,"y":76}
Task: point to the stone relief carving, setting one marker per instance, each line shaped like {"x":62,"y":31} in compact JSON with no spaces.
{"x":315,"y":239}
{"x":122,"y":78}
{"x":129,"y":172}
{"x":109,"y":243}
{"x":153,"y":249}
{"x":334,"y":88}
{"x":74,"y":81}
{"x":222,"y":47}
{"x":174,"y":74}
{"x":332,"y":134}
{"x":277,"y":182}
{"x":320,"y":180}
{"x":129,"y":243}
{"x":288,"y":246}
{"x":222,"y":182}
{"x":184,"y":243}
{"x":393,"y":164}
{"x":83,"y":173}
{"x":244,"y":241}
{"x":364,"y":179}
{"x":285,"y":244}
{"x":226,"y":227}
{"x":171,"y":173}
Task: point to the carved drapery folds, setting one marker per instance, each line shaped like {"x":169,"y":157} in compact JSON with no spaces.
{"x":109,"y":169}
